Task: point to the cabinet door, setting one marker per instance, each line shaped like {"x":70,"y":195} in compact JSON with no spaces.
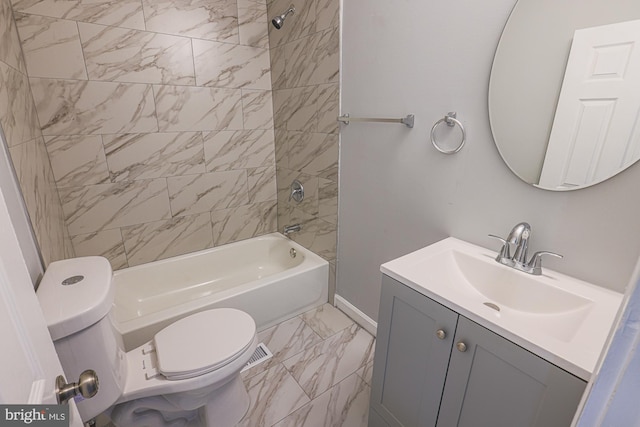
{"x":499,"y":384}
{"x":411,"y":360}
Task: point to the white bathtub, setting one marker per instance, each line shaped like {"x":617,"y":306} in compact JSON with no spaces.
{"x":258,"y":275}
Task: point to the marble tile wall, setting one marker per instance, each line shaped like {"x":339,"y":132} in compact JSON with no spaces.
{"x":27,"y":149}
{"x":157,"y":116}
{"x":305,"y":78}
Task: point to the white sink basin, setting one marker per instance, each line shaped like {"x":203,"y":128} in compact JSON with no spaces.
{"x":562,"y":319}
{"x":508,"y":287}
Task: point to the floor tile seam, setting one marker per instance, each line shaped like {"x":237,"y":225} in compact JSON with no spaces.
{"x":305,"y":347}
{"x":286,"y":416}
{"x":343,"y":380}
{"x":301,"y":317}
{"x":355,"y":371}
{"x":258,"y":372}
{"x":352,"y":373}
{"x":297,"y":383}
{"x":276,"y":361}
{"x":329,"y":336}
{"x":275,"y":366}
{"x":320,"y":343}
{"x":275,"y":356}
{"x":311,"y":401}
{"x":342,"y":346}
{"x":261,"y":371}
{"x":366,"y":384}
{"x":362,"y":377}
{"x":301,"y":388}
{"x":334,"y":332}
{"x":323,"y":341}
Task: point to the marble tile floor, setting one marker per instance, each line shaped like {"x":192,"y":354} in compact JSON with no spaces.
{"x":319,"y":375}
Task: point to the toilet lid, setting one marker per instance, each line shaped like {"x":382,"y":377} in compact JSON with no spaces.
{"x":203,"y":342}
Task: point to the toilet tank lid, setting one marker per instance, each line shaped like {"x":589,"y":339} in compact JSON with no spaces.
{"x":75,"y":293}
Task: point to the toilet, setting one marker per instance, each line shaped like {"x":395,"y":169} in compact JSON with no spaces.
{"x":187,"y":375}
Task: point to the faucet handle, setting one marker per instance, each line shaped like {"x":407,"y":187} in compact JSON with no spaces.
{"x":297,"y":191}
{"x":504,"y":253}
{"x":504,"y":241}
{"x":535,"y":264}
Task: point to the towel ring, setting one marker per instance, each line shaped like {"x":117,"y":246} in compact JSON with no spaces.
{"x":451,"y":121}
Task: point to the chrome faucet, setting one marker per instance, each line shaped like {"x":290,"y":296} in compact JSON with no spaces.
{"x":519,"y":237}
{"x":288,"y":229}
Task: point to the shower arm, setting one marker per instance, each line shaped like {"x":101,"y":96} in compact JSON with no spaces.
{"x":290,"y":10}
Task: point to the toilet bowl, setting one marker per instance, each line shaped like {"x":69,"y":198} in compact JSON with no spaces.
{"x":187,"y":375}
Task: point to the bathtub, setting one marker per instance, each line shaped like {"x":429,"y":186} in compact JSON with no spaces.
{"x":270,"y":277}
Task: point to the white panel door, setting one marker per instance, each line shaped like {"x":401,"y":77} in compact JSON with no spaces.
{"x":595,"y":132}
{"x":28,"y":360}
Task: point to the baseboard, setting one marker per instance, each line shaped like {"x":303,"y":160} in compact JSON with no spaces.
{"x":358,"y":316}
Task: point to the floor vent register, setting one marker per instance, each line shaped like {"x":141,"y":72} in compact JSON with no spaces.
{"x":262,"y":354}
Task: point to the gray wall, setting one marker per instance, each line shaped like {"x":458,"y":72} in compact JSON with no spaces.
{"x":397,"y":193}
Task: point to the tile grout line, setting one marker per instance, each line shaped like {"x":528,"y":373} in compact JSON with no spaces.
{"x":314,"y":336}
{"x":329,"y":390}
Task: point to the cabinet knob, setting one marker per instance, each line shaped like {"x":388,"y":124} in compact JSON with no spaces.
{"x":462,"y":347}
{"x":441,"y":334}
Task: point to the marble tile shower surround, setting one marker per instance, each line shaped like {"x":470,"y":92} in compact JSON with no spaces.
{"x":305,"y":81}
{"x":157,"y":117}
{"x":21,"y":130}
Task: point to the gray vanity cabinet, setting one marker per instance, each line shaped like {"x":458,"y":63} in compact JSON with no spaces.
{"x":471,"y":377}
{"x":495,"y":382}
{"x":411,"y":360}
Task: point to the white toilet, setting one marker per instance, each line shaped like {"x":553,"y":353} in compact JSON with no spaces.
{"x":187,"y":375}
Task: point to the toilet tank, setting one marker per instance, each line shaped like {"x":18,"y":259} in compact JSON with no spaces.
{"x":76,"y":296}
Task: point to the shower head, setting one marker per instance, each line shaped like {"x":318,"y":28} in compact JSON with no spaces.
{"x":279,"y":20}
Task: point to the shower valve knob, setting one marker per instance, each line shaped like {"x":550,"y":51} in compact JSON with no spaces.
{"x":297,"y":191}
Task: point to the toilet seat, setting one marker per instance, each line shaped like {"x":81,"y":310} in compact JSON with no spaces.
{"x":203,"y":342}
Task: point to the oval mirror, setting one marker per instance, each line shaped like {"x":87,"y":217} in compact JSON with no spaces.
{"x":564,"y":92}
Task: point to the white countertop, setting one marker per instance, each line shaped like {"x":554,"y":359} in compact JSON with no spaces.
{"x":570,"y":337}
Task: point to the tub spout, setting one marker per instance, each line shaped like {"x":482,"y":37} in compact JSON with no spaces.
{"x":288,"y":229}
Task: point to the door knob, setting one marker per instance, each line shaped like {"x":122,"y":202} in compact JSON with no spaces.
{"x":462,"y":347}
{"x":441,"y":334}
{"x":87,"y":387}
